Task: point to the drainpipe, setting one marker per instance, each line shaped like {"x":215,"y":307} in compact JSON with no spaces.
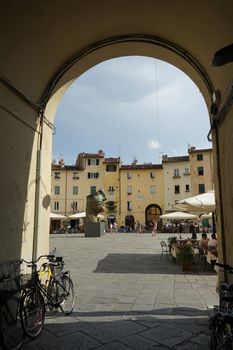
{"x":38,"y":188}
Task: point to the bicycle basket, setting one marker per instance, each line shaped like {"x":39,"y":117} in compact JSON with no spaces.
{"x":57,"y":266}
{"x":12,"y":277}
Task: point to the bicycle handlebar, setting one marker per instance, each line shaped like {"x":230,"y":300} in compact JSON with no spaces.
{"x":33,"y":262}
{"x":226,"y":267}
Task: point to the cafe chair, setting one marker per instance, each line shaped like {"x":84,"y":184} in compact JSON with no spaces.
{"x":165,"y":250}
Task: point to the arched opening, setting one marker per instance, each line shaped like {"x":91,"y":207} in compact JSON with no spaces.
{"x":110,"y":48}
{"x":152,"y":213}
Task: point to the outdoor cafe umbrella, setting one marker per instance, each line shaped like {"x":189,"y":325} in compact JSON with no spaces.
{"x":178,"y":215}
{"x":203,"y":202}
{"x":78,"y":215}
{"x":55,"y":216}
{"x":200,"y":203}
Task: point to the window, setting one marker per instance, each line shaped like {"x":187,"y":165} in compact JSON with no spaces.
{"x":56,"y":206}
{"x":111,"y":189}
{"x":176,"y":173}
{"x":200,"y":170}
{"x":152,"y":174}
{"x":93,"y":161}
{"x":75,"y":175}
{"x":129,"y":175}
{"x":129,"y":189}
{"x":74,"y":205}
{"x":187,"y":189}
{"x":93,"y":190}
{"x":186,"y":171}
{"x":75,"y":190}
{"x":152,"y":190}
{"x":129,"y":205}
{"x":93,"y":175}
{"x":177,"y":189}
{"x":111,"y":167}
{"x":57,"y":190}
{"x":57,"y":175}
{"x":200,"y":156}
{"x":201,"y":188}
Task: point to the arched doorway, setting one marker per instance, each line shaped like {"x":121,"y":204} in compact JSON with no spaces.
{"x":129,"y":222}
{"x":152,"y":213}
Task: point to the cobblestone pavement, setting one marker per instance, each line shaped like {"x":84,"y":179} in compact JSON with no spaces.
{"x":127,"y":297}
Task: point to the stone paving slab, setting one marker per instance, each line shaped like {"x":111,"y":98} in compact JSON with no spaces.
{"x":127,"y":297}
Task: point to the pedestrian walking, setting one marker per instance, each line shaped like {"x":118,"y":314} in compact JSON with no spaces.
{"x":154,"y":228}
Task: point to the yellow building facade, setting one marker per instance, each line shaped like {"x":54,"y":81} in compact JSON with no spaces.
{"x":136,"y":192}
{"x":201,"y":169}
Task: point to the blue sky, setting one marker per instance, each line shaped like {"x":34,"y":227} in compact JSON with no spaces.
{"x":132,"y":107}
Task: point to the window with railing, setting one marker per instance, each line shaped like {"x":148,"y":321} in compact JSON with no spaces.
{"x":129,"y":175}
{"x":56,"y":205}
{"x":177,"y":189}
{"x":199,"y":156}
{"x":187,"y":188}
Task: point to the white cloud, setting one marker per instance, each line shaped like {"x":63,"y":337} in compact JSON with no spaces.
{"x":153,"y":144}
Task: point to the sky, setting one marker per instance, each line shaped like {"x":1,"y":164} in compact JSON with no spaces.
{"x":133,"y":108}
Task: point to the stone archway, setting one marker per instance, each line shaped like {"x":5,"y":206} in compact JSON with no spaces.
{"x":47,"y":62}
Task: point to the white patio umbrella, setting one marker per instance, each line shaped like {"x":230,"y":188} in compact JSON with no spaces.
{"x":201,"y":203}
{"x":78,"y":215}
{"x":55,"y":216}
{"x":179,"y":215}
{"x":206,"y":216}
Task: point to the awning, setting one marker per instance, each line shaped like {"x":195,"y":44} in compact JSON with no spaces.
{"x":55,"y":216}
{"x":78,"y":215}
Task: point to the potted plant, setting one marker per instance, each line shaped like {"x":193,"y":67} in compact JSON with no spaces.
{"x":185,"y":256}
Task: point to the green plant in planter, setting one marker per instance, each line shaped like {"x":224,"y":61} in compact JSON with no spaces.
{"x":171,"y":241}
{"x":185,"y":253}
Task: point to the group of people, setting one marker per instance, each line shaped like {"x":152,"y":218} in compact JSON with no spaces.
{"x":209,"y":246}
{"x":153,"y":227}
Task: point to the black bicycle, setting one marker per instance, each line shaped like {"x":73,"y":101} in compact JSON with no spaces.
{"x":12,"y":282}
{"x":50,"y":287}
{"x":221,"y":324}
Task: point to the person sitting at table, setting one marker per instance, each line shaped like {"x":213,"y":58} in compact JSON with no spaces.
{"x":203,"y":244}
{"x":212,"y":249}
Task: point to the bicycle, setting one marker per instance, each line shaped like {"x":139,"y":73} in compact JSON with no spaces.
{"x":56,"y":292}
{"x":12,"y":281}
{"x":221,"y":324}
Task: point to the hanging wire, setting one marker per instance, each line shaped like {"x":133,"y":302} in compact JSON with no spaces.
{"x":156,"y":101}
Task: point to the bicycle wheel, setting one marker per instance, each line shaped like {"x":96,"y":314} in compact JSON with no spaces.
{"x":32,"y":311}
{"x":12,"y":333}
{"x":65,"y":293}
{"x":220,"y":331}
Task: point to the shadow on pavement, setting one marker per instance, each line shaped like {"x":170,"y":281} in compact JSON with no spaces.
{"x":141,"y":264}
{"x":131,"y":330}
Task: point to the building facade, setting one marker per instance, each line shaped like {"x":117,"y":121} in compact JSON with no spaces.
{"x":177,"y":180}
{"x":135,"y":192}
